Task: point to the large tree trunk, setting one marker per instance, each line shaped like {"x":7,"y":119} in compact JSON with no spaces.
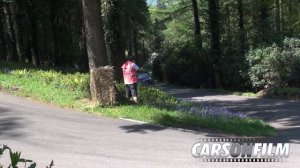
{"x":214,"y":27}
{"x":94,"y":32}
{"x":101,"y":78}
{"x":198,"y":38}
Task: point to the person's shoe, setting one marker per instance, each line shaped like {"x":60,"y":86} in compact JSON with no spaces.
{"x":135,"y":99}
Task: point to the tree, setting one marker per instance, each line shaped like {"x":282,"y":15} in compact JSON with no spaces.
{"x":101,"y":78}
{"x":198,"y":37}
{"x":9,"y":34}
{"x":213,"y":12}
{"x":279,"y":22}
{"x":114,"y":35}
{"x":96,"y":47}
{"x":2,"y":33}
{"x":33,"y":33}
{"x":241,"y":27}
{"x":135,"y":16}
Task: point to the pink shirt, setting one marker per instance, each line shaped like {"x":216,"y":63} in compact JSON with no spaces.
{"x":129,"y":72}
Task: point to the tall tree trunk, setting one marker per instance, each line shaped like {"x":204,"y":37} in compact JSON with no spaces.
{"x":55,"y":57}
{"x":49,"y":33}
{"x":197,"y":29}
{"x":264,"y":25}
{"x":14,"y":8}
{"x":101,"y":79}
{"x":2,"y":33}
{"x":213,"y":12}
{"x":281,"y":19}
{"x":135,"y":44}
{"x":278,"y":23}
{"x":94,"y":32}
{"x":82,"y":46}
{"x":241,"y":27}
{"x":33,"y":36}
{"x":129,"y":43}
{"x":11,"y":48}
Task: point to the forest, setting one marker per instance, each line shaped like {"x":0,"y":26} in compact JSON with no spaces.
{"x":69,"y":53}
{"x":230,"y":44}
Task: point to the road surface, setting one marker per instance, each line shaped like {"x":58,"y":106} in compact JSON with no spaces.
{"x":79,"y":140}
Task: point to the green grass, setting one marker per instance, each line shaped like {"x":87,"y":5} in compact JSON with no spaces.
{"x":285,"y":93}
{"x":71,"y":91}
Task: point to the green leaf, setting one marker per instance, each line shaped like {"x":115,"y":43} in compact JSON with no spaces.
{"x":33,"y":165}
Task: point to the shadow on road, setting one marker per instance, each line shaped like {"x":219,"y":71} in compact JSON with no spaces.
{"x":8,"y":124}
{"x":282,"y":114}
{"x":142,"y":128}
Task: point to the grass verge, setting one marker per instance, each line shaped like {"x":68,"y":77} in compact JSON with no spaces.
{"x":237,"y":93}
{"x":287,"y":93}
{"x":71,"y":91}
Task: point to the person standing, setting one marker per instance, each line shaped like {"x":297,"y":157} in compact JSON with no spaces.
{"x":130,"y":79}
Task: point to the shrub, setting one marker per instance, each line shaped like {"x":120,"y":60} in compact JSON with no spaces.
{"x":274,"y":66}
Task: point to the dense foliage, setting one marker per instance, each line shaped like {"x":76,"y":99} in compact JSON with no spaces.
{"x":275,"y":66}
{"x":200,"y":43}
{"x":229,"y":29}
{"x":51,"y":32}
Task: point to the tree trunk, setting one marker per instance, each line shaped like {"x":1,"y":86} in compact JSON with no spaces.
{"x":198,"y":38}
{"x":94,"y":32}
{"x":213,"y":12}
{"x":129,"y":43}
{"x":135,"y":45}
{"x":264,"y":25}
{"x":48,"y":33}
{"x":11,"y":48}
{"x":101,"y":79}
{"x":2,"y":33}
{"x":33,"y":36}
{"x":278,"y":23}
{"x":281,"y":19}
{"x":83,"y":50}
{"x":241,"y":27}
{"x":54,"y":7}
{"x":14,"y":8}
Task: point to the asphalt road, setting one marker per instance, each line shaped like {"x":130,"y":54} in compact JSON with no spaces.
{"x":78,"y":140}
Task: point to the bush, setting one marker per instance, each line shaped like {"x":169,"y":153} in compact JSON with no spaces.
{"x":275,"y":66}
